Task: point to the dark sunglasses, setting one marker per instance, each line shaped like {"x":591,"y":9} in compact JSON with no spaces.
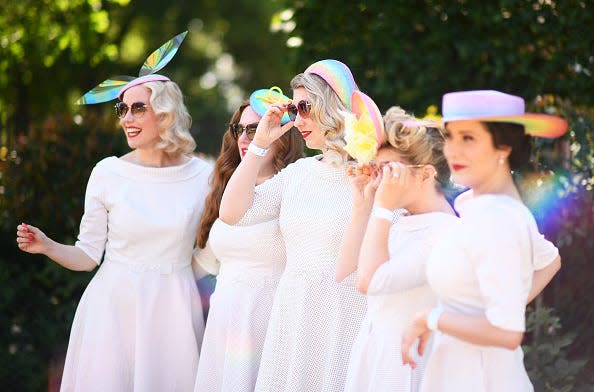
{"x":303,"y":108}
{"x":237,"y":130}
{"x":137,"y":109}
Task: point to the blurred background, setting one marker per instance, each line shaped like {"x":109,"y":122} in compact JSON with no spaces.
{"x":405,"y":53}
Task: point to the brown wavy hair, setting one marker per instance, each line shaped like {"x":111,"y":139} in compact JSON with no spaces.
{"x":289,"y":148}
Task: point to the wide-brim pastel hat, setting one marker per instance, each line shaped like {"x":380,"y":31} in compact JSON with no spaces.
{"x":262,"y":99}
{"x":495,"y":106}
{"x":338,"y":76}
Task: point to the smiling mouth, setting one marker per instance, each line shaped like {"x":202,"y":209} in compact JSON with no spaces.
{"x":305,"y":134}
{"x":243,"y":151}
{"x":458,"y":167}
{"x":132,"y":132}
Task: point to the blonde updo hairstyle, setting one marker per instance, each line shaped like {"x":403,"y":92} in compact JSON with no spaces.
{"x":167,"y":102}
{"x":417,"y":145}
{"x":325,"y":107}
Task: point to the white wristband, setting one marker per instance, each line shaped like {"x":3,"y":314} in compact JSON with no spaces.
{"x":259,"y":151}
{"x":383,"y":213}
{"x":433,"y":318}
{"x":387,"y":214}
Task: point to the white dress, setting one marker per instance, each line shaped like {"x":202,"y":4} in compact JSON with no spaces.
{"x":138,"y":325}
{"x":248,"y":259}
{"x":396,"y":292}
{"x":483,"y":267}
{"x":314,"y":320}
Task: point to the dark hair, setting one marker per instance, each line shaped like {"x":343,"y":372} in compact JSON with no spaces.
{"x":289,"y":148}
{"x":511,"y":135}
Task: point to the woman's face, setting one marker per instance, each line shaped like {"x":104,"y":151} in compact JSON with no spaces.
{"x":142,"y":129}
{"x":310,"y":130}
{"x":471,"y":155}
{"x":388,"y":154}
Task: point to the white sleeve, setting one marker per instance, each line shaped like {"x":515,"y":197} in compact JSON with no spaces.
{"x":204,"y":262}
{"x":92,"y":235}
{"x":544,"y":251}
{"x":501,"y":254}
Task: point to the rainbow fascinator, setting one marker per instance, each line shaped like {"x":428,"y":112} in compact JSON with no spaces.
{"x":116,"y":86}
{"x":261,"y":100}
{"x":338,"y":76}
{"x":495,"y":106}
{"x":364,"y":128}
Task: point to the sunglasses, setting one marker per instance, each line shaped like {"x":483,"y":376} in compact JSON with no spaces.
{"x":238,"y":129}
{"x":303,"y":108}
{"x":137,"y":109}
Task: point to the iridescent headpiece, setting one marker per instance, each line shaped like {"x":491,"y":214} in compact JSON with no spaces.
{"x":116,"y":86}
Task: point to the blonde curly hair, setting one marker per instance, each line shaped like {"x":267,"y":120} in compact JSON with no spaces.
{"x":325,"y":111}
{"x":417,"y":145}
{"x":167,"y":102}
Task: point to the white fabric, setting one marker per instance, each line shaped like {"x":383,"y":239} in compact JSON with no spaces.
{"x":397,"y":291}
{"x":138,"y":325}
{"x":251,"y":256}
{"x":544,"y":252}
{"x":483,"y":267}
{"x":314,"y":320}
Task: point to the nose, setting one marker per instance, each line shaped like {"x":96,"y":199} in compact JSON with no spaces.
{"x":298,"y":120}
{"x":243,"y":137}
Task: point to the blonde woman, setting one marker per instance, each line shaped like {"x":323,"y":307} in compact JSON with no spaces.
{"x":392,"y":247}
{"x":314,"y":320}
{"x":138,"y":325}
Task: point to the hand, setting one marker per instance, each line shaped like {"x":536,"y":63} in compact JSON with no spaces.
{"x":31,"y":240}
{"x":364,"y":183}
{"x":270,"y":128}
{"x":396,"y":180}
{"x":418,"y":329}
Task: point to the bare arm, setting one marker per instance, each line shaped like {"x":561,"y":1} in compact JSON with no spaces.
{"x":542,"y":277}
{"x":32,"y":240}
{"x":472,"y":329}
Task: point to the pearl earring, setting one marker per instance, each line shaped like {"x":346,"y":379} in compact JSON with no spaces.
{"x":501,"y":160}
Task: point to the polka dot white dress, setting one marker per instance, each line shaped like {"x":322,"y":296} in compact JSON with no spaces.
{"x":314,"y":320}
{"x":138,"y":325}
{"x":396,"y":292}
{"x":484,"y":266}
{"x":251,"y":255}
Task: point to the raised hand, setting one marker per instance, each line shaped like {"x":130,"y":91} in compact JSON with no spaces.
{"x":31,"y":240}
{"x":396,"y":181}
{"x":270,"y":128}
{"x":364,"y":182}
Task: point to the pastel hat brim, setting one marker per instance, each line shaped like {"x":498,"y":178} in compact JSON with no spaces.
{"x":535,"y":124}
{"x":362,"y":103}
{"x":262,"y":99}
{"x":142,"y":80}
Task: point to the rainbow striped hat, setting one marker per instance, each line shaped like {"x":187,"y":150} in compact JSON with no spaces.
{"x":338,"y":76}
{"x":495,"y":106}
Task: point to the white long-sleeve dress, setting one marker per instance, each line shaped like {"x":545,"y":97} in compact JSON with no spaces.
{"x":248,"y":259}
{"x":396,"y":292}
{"x":483,"y":266}
{"x":314,"y":320}
{"x":138,"y":325}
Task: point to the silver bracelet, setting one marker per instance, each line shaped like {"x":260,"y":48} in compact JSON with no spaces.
{"x":433,"y":318}
{"x":259,"y":151}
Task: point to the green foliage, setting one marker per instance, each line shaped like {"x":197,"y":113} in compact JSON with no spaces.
{"x":547,"y":356}
{"x":43,"y":184}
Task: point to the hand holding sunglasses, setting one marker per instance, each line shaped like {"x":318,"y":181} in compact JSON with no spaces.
{"x":395,"y":183}
{"x":270,"y":128}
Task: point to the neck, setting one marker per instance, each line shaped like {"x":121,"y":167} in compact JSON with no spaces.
{"x":431,"y":202}
{"x":501,"y":183}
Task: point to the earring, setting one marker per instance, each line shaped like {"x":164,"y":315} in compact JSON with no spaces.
{"x":501,"y":160}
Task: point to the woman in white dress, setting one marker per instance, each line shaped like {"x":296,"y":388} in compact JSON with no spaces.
{"x":314,"y":320}
{"x":248,"y":259}
{"x":482,"y":268}
{"x":392,"y":252}
{"x":138,"y":325}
